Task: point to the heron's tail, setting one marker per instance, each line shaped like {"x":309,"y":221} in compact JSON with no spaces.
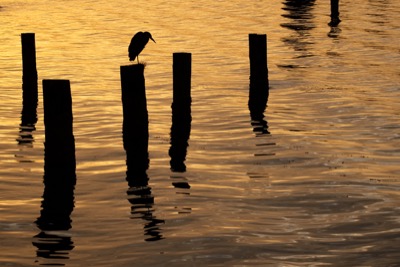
{"x":132,"y":57}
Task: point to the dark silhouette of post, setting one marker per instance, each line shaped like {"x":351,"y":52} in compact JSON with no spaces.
{"x":135,"y":128}
{"x":29,"y":81}
{"x":59,"y":172}
{"x":59,"y":150}
{"x":182,"y":73}
{"x":181,"y":116}
{"x":135,"y":132}
{"x":259,"y":84}
{"x":181,"y":110}
{"x":29,"y":71}
{"x":335,"y":20}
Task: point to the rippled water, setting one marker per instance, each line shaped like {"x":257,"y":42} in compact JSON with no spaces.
{"x":319,"y":188}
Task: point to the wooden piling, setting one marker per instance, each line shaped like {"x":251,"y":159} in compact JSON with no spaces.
{"x":135,"y":128}
{"x":181,"y":110}
{"x":60,"y":163}
{"x":182,"y":72}
{"x":29,"y":80}
{"x":259,"y":84}
{"x":28,"y":55}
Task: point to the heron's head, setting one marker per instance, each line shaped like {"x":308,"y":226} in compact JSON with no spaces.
{"x":149,"y":36}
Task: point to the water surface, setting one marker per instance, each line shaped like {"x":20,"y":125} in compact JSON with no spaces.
{"x":318,"y":187}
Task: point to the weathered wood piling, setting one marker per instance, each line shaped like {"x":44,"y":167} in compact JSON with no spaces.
{"x":181,"y":110}
{"x":135,"y":128}
{"x":259,"y":83}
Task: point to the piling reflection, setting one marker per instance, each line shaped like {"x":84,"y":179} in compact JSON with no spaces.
{"x":260,"y":128}
{"x":141,"y":198}
{"x":335,"y":20}
{"x":334,"y":31}
{"x":300,"y":14}
{"x":28,"y":119}
{"x":260,"y":125}
{"x":180,"y":134}
{"x":28,"y":114}
{"x":142,"y":202}
{"x":139,"y":192}
{"x":54,"y":242}
{"x":257,"y":109}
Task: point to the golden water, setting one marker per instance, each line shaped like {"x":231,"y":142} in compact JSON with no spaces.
{"x":322,"y":189}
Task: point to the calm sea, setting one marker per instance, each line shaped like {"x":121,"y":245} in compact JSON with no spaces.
{"x":316,"y":183}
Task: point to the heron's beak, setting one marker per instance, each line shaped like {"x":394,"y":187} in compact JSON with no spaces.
{"x":152,"y":39}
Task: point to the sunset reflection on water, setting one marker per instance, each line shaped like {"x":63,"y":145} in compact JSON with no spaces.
{"x":313,"y":182}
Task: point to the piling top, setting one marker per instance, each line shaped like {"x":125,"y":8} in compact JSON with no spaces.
{"x":252,"y":34}
{"x":55,"y":82}
{"x":182,"y":56}
{"x":184,"y":53}
{"x":134,"y":67}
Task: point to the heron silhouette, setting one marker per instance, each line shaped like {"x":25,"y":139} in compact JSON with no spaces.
{"x":138,"y":42}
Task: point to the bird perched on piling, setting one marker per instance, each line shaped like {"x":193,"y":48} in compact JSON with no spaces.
{"x":138,"y":42}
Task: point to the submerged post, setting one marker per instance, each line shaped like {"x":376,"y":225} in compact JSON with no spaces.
{"x":181,"y":110}
{"x":135,"y":128}
{"x":59,"y":156}
{"x":259,"y":84}
{"x":29,"y":80}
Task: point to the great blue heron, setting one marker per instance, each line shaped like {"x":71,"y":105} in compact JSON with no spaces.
{"x":138,"y":42}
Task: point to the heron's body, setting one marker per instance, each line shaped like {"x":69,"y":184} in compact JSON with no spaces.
{"x":138,"y":42}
